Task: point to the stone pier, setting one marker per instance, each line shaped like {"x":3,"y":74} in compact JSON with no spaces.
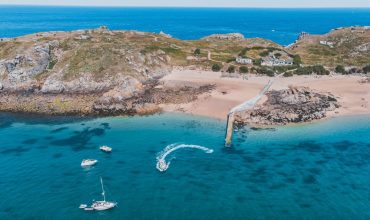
{"x":229,"y":129}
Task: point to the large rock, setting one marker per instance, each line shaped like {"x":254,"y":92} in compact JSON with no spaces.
{"x":52,"y":86}
{"x":293,"y":105}
{"x":120,"y":99}
{"x":129,"y":88}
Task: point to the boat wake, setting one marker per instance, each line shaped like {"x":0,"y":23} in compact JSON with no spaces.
{"x":162,"y":165}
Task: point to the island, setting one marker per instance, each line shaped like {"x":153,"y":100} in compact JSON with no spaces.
{"x":104,"y":72}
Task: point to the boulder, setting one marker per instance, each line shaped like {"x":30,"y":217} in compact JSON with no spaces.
{"x":129,"y":88}
{"x":52,"y":86}
{"x":293,"y":105}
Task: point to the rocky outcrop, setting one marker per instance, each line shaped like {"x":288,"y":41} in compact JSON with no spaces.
{"x":293,"y":105}
{"x":135,"y":98}
{"x":21,"y":69}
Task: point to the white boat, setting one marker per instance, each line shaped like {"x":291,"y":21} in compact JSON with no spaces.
{"x":103,"y":205}
{"x":106,"y":149}
{"x":88,"y":162}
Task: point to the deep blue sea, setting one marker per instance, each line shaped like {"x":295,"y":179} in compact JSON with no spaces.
{"x":313,"y":171}
{"x":280,"y":25}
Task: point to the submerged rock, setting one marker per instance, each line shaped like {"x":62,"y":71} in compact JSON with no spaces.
{"x":293,"y":105}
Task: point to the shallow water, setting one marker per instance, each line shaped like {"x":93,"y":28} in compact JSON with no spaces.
{"x":315,"y":171}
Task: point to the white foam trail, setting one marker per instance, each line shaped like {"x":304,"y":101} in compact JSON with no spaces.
{"x":162,"y":165}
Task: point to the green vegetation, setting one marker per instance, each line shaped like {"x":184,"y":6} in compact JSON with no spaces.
{"x":355,"y":70}
{"x":340,"y":69}
{"x":308,"y":70}
{"x":230,"y":60}
{"x":216,"y":67}
{"x":278,"y":55}
{"x":263,"y":71}
{"x":288,"y":74}
{"x":264,"y":53}
{"x":231,"y":69}
{"x":197,"y":52}
{"x":52,"y":64}
{"x":243,"y":69}
{"x":366,"y":69}
{"x":297,"y":60}
{"x":257,"y":62}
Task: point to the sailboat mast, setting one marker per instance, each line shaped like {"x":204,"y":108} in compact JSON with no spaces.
{"x":102,"y":188}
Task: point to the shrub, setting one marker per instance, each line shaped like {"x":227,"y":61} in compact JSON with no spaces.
{"x":52,"y":64}
{"x":297,"y":60}
{"x":340,"y":69}
{"x":231,"y":69}
{"x":216,"y":68}
{"x":366,"y":69}
{"x":257,"y":62}
{"x":264,"y":53}
{"x":270,"y":73}
{"x":197,"y":52}
{"x":277,"y":55}
{"x":318,"y":69}
{"x":355,"y":70}
{"x":288,"y":74}
{"x":243,"y":69}
{"x":265,"y":71}
{"x":230,"y":60}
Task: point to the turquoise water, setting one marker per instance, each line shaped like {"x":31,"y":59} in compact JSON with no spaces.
{"x":315,"y":171}
{"x":280,"y":25}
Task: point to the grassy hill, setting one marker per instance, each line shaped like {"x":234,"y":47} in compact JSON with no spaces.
{"x":347,"y":46}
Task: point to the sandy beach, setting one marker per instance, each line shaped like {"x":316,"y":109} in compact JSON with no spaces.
{"x":353,"y":96}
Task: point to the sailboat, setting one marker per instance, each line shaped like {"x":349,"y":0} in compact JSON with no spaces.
{"x":103,"y":205}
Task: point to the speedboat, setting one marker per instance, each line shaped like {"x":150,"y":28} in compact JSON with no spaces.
{"x":106,"y":149}
{"x":88,"y":162}
{"x":103,"y":205}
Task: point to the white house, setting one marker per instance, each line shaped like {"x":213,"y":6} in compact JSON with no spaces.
{"x":242,"y":60}
{"x":272,"y":61}
{"x":327,"y":43}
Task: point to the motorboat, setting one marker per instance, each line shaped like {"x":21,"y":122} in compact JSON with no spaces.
{"x":103,"y":205}
{"x":88,"y":162}
{"x":106,"y":149}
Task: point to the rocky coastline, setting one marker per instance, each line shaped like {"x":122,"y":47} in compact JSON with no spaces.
{"x":103,"y":72}
{"x":143,"y":101}
{"x":288,"y":106}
